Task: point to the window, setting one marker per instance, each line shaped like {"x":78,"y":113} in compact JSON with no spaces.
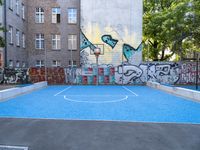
{"x":39,"y":41}
{"x":17,"y":7}
{"x":17,"y":64}
{"x":39,"y":15}
{"x":23,"y":40}
{"x":23,"y":11}
{"x":72,"y":15}
{"x":10,"y":33}
{"x":72,"y":42}
{"x":17,"y":38}
{"x":39,"y":63}
{"x":56,"y":63}
{"x":55,"y":15}
{"x":23,"y":64}
{"x":10,"y":63}
{"x":10,"y":4}
{"x":73,"y":64}
{"x":56,"y":42}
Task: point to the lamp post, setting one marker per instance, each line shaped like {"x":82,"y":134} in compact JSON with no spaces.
{"x":97,"y":52}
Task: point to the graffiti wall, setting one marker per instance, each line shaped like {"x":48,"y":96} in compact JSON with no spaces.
{"x":114,"y":27}
{"x":14,"y":76}
{"x":54,"y":75}
{"x":126,"y":73}
{"x":189,"y":72}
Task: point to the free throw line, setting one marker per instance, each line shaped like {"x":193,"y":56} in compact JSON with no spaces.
{"x":130,"y":91}
{"x":62,"y":91}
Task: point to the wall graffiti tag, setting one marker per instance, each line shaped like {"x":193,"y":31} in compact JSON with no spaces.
{"x":14,"y":76}
{"x":109,"y":40}
{"x":129,"y":51}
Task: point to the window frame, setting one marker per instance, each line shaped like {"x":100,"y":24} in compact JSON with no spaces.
{"x":39,"y":15}
{"x":40,"y":39}
{"x":11,"y":64}
{"x":10,"y":5}
{"x":55,"y":14}
{"x":17,"y":7}
{"x":10,"y":34}
{"x":23,"y":11}
{"x":17,"y":38}
{"x":56,"y":38}
{"x":57,"y":63}
{"x":23,"y":40}
{"x":72,"y":44}
{"x":72,"y":16}
{"x":40,"y":64}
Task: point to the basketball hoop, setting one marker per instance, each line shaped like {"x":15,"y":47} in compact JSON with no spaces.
{"x":97,"y":52}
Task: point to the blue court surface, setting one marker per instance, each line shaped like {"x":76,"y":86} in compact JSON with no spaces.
{"x":110,"y":103}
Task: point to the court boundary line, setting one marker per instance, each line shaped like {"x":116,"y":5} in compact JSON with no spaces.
{"x":95,"y":102}
{"x":130,"y":91}
{"x":98,"y":95}
{"x":62,"y":91}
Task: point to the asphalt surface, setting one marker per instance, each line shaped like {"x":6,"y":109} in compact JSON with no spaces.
{"x":39,"y":134}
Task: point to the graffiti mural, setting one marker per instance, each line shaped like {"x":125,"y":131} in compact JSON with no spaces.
{"x":85,"y":43}
{"x":127,"y":74}
{"x":163,"y":73}
{"x":115,"y":30}
{"x":109,"y":40}
{"x":129,"y":51}
{"x":14,"y":76}
{"x":188,"y":73}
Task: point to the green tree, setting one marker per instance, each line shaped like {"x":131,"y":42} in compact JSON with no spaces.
{"x":170,"y":28}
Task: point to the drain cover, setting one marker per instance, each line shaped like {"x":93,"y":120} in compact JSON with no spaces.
{"x":5,"y":147}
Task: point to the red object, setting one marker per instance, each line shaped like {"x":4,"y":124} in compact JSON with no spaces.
{"x":112,"y":71}
{"x":101,"y":71}
{"x":106,"y":79}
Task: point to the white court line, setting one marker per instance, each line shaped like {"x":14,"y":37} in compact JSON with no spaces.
{"x":96,"y":102}
{"x":130,"y":91}
{"x":62,"y":91}
{"x":98,"y":95}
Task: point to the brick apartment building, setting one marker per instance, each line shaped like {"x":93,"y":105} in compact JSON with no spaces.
{"x":41,"y":32}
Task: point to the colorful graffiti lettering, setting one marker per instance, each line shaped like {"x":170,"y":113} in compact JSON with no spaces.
{"x":128,"y":51}
{"x":84,"y":42}
{"x":109,"y":40}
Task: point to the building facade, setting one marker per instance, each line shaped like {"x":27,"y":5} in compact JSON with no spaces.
{"x":53,"y":33}
{"x":41,"y":33}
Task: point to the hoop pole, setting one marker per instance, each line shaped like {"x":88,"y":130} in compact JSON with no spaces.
{"x":97,"y":62}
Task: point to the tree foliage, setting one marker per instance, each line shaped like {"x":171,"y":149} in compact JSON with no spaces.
{"x":170,"y":28}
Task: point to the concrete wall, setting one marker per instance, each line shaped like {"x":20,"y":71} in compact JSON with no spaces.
{"x":186,"y":93}
{"x":115,"y":24}
{"x":13,"y":92}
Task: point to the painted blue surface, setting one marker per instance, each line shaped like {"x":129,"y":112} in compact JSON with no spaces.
{"x":149,"y":106}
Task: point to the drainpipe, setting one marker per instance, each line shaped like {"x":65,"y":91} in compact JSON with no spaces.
{"x":5,"y":34}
